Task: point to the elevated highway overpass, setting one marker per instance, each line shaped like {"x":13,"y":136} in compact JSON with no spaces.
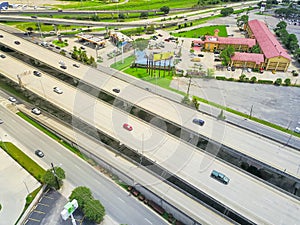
{"x":269,"y":152}
{"x":251,"y":198}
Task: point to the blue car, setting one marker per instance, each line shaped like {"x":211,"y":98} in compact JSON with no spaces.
{"x":198,"y":121}
{"x":220,"y":177}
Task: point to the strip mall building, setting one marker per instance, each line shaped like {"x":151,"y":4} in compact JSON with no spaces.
{"x":272,"y":57}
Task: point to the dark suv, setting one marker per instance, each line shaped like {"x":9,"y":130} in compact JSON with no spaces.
{"x":220,"y":177}
{"x":198,"y":121}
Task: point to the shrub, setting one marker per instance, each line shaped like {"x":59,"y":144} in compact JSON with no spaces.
{"x":278,"y":81}
{"x":253,"y":79}
{"x":242,"y":78}
{"x":287,"y":81}
{"x":265,"y":81}
{"x":230,"y":79}
{"x":220,"y":78}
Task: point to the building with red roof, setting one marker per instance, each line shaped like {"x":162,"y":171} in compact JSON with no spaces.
{"x":273,"y":56}
{"x":212,"y":43}
{"x":276,"y":57}
{"x":250,"y":60}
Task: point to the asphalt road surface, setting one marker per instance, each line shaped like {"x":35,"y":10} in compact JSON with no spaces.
{"x":116,"y":201}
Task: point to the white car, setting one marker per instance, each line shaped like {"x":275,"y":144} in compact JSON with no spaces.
{"x":297,"y":130}
{"x":36,"y":111}
{"x":1,"y":121}
{"x":12,"y":99}
{"x":57,"y":90}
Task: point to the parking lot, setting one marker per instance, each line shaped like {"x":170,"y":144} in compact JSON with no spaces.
{"x":47,"y":211}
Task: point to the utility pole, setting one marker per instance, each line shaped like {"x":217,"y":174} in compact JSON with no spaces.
{"x":53,"y":170}
{"x":188,"y":90}
{"x":250,"y":115}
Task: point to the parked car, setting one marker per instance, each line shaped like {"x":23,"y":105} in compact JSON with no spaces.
{"x":12,"y":99}
{"x":297,"y":130}
{"x":220,"y":177}
{"x":1,"y":121}
{"x":198,"y":121}
{"x":1,"y":36}
{"x":2,"y":56}
{"x":63,"y":67}
{"x":17,"y":42}
{"x":232,"y":68}
{"x":160,"y":35}
{"x":39,"y":153}
{"x":167,"y":40}
{"x":228,"y":68}
{"x":37,"y":73}
{"x":76,"y":65}
{"x":57,"y":90}
{"x":249,"y":70}
{"x":36,"y":111}
{"x":127,"y":127}
{"x":117,"y":90}
{"x":200,"y":55}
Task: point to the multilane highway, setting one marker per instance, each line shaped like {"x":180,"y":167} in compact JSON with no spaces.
{"x":251,"y":198}
{"x":269,"y":152}
{"x":79,"y":173}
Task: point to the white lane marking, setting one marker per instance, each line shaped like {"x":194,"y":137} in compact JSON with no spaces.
{"x":121,"y":199}
{"x":148,"y":220}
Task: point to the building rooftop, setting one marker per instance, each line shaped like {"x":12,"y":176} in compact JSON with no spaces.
{"x":231,"y":41}
{"x":248,"y":57}
{"x":267,"y":40}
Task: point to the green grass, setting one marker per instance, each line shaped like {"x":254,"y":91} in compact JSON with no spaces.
{"x":247,"y":116}
{"x":209,"y":30}
{"x":27,"y":163}
{"x":162,"y":81}
{"x":44,"y":27}
{"x":132,"y":4}
{"x":121,"y":66}
{"x":60,"y":43}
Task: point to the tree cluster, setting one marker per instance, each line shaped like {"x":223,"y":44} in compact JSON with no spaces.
{"x":93,"y":209}
{"x":81,"y":55}
{"x":289,"y":40}
{"x":226,"y":11}
{"x":289,"y":12}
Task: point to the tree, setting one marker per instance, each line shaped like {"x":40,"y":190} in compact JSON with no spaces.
{"x":226,"y":55}
{"x":281,"y":25}
{"x":242,"y":20}
{"x":165,"y":9}
{"x":278,"y":81}
{"x":144,"y":15}
{"x":195,"y":102}
{"x":287,"y":81}
{"x":121,"y":16}
{"x":82,"y":195}
{"x":94,"y":210}
{"x":53,"y":177}
{"x":226,"y":11}
{"x":256,"y":49}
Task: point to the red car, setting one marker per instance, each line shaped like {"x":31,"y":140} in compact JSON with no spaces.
{"x":127,"y":127}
